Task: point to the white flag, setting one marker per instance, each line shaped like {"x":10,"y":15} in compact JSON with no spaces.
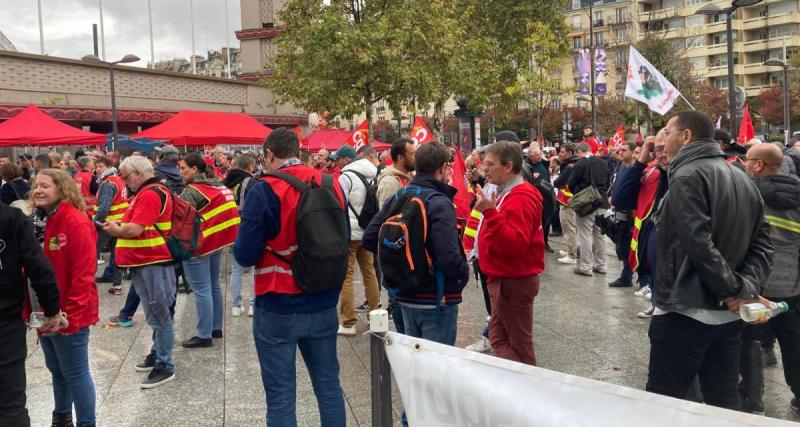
{"x":647,"y":85}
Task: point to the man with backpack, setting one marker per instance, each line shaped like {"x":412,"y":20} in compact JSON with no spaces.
{"x":430,"y":270}
{"x":142,"y":247}
{"x":294,"y":230}
{"x":358,"y":185}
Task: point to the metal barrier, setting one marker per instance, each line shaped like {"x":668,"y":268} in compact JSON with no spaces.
{"x":381,"y":373}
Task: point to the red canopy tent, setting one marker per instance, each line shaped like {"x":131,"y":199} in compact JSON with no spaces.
{"x":198,"y":128}
{"x":332,"y":139}
{"x":34,"y":127}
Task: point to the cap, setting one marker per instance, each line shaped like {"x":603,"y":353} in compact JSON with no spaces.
{"x":721,"y":135}
{"x":167,"y":149}
{"x":345,"y":151}
{"x":506,"y":135}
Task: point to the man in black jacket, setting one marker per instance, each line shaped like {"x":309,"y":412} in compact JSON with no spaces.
{"x":19,"y":250}
{"x":714,"y":251}
{"x":566,"y":160}
{"x":419,"y":306}
{"x":590,"y":170}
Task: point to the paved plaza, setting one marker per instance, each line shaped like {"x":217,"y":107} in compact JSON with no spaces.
{"x":582,"y":328}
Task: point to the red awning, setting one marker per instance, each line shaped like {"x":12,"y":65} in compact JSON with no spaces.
{"x":332,"y":139}
{"x":197,"y":128}
{"x":32,"y":126}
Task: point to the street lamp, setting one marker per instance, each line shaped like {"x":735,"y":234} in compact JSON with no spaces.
{"x":713,"y":9}
{"x":125,"y":59}
{"x":774,"y":62}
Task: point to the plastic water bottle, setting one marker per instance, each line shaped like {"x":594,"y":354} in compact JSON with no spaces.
{"x":757,"y":311}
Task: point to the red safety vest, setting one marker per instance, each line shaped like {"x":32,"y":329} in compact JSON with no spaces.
{"x":83,"y":180}
{"x":563,"y":195}
{"x":120,"y":203}
{"x":150,"y":246}
{"x":471,"y":230}
{"x":644,"y":207}
{"x":220,"y":218}
{"x":273,"y":274}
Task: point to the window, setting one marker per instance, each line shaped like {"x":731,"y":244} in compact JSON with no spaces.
{"x":695,"y":41}
{"x":598,"y":18}
{"x":599,"y":39}
{"x":576,"y":43}
{"x":699,"y":62}
{"x":576,"y":4}
{"x":621,"y":33}
{"x":622,"y":58}
{"x":695,"y":21}
{"x":693,"y":2}
{"x":720,"y":82}
{"x":717,"y":18}
{"x":576,"y":22}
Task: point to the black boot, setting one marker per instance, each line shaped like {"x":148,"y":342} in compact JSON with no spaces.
{"x":62,"y":420}
{"x":752,"y":386}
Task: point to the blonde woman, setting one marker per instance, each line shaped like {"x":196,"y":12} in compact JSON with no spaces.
{"x":69,"y":244}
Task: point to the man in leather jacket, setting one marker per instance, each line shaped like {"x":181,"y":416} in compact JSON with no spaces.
{"x":714,"y":251}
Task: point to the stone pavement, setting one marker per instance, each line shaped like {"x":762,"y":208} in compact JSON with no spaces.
{"x":582,"y":328}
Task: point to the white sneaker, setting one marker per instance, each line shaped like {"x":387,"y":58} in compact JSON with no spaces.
{"x":481,"y":346}
{"x":347,"y":332}
{"x":644,"y":292}
{"x":567,"y":260}
{"x":562,"y":253}
{"x":100,"y":261}
{"x":646,"y":314}
{"x":236,"y":311}
{"x":251,"y":311}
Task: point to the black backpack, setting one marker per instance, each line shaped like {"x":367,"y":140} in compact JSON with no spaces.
{"x":371,"y":206}
{"x":323,"y":235}
{"x":402,"y":253}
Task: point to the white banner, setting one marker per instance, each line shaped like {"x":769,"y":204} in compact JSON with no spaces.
{"x":648,"y":85}
{"x":447,"y":386}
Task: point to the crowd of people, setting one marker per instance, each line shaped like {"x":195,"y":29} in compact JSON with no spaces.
{"x":704,"y":224}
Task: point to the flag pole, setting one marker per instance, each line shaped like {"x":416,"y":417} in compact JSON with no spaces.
{"x":102,"y":32}
{"x":41,"y":29}
{"x":687,"y":101}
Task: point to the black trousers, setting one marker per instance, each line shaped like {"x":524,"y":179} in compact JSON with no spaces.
{"x":786,"y":328}
{"x":484,"y":286}
{"x":682,"y":348}
{"x":12,"y":374}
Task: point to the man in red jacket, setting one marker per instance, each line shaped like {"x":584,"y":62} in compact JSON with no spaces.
{"x":511,"y":250}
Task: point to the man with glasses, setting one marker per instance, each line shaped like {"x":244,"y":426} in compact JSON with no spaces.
{"x":714,"y":251}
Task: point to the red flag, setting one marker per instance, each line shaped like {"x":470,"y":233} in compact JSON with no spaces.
{"x":462,"y":198}
{"x":618,"y":138}
{"x":420,"y":133}
{"x":639,"y":137}
{"x":303,"y":140}
{"x":360,"y":136}
{"x":746,"y":130}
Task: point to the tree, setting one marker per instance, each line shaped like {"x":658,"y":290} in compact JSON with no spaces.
{"x":714,"y":102}
{"x":611,"y":112}
{"x":345,"y":56}
{"x":539,"y":80}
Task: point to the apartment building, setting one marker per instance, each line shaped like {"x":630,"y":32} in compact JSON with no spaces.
{"x":770,"y":29}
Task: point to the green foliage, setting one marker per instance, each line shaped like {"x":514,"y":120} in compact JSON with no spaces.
{"x":348,"y":55}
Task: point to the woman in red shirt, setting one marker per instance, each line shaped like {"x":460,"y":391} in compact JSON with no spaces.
{"x":69,"y":244}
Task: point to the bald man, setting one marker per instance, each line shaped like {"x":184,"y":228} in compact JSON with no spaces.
{"x":781,"y":194}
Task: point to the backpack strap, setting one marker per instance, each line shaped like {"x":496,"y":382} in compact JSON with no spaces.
{"x":295,"y":182}
{"x":162,"y":195}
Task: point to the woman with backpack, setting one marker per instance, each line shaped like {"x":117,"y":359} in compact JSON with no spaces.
{"x":69,"y":244}
{"x":15,"y":188}
{"x":218,"y":227}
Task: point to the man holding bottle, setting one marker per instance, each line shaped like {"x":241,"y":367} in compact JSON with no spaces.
{"x":714,"y":251}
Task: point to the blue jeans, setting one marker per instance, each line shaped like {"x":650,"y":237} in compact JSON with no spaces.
{"x":425,"y":323}
{"x":236,"y":285}
{"x":203,"y":274}
{"x":277,"y":338}
{"x":67,"y":358}
{"x":131,"y":304}
{"x":156,"y":286}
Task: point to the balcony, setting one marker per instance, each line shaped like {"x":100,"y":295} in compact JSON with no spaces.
{"x":721,"y":48}
{"x":722,"y":70}
{"x":762,"y":22}
{"x":656,"y":14}
{"x":757,"y":68}
{"x":792,"y":39}
{"x":618,"y":20}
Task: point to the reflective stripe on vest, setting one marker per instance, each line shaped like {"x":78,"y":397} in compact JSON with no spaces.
{"x":220,"y":218}
{"x":120,"y":203}
{"x":563,"y":196}
{"x":149,"y":247}
{"x":783,"y":223}
{"x":273,"y":269}
{"x":644,"y":207}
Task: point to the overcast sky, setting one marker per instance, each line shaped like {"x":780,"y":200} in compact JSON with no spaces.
{"x":68,"y":27}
